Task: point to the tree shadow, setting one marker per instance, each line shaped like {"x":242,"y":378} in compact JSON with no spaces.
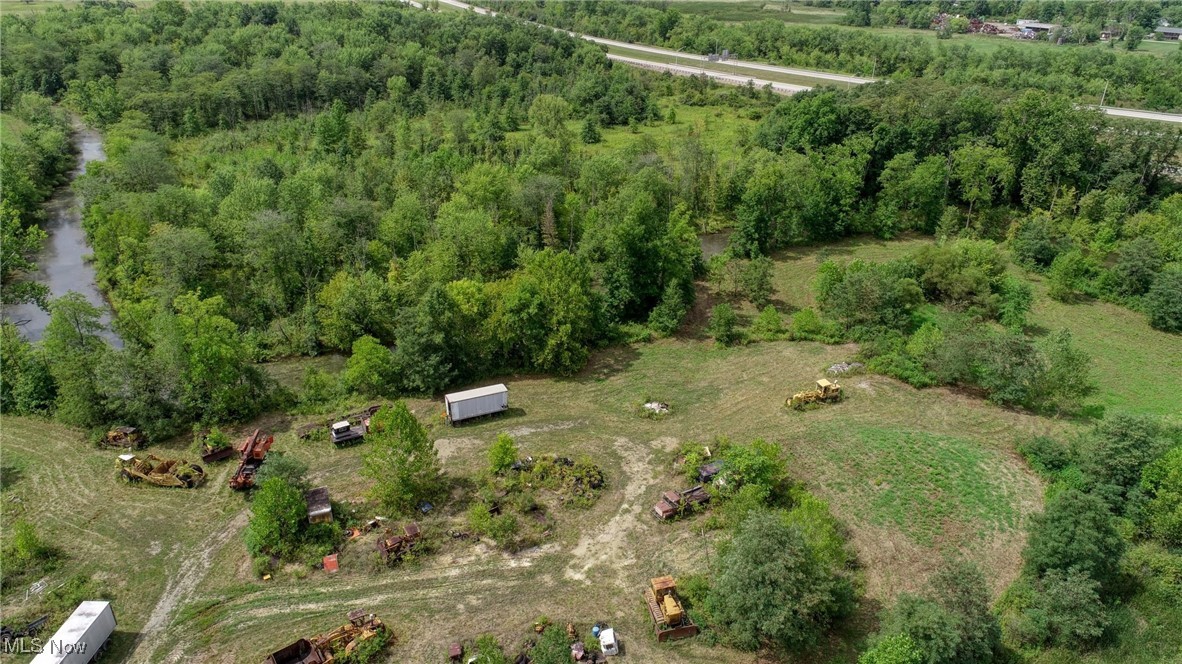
{"x":607,"y":363}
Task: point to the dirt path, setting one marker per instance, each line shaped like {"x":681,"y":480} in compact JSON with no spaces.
{"x":180,"y":589}
{"x":606,"y":545}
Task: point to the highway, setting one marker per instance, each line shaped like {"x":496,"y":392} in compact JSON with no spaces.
{"x":734,"y":78}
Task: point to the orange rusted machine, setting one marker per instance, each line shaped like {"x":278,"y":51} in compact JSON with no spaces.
{"x":254,"y":452}
{"x":325,"y":649}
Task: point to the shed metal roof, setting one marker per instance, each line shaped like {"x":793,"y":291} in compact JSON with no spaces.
{"x":475,"y":393}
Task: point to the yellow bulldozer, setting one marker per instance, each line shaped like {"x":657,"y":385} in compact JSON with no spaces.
{"x":670,"y":621}
{"x":826,"y":392}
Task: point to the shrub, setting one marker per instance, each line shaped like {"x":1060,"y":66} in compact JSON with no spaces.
{"x":768,"y":325}
{"x":1065,"y":610}
{"x":1137,"y":265}
{"x":868,"y":295}
{"x":807,"y":326}
{"x":369,"y":371}
{"x":772,"y":588}
{"x":1035,"y":243}
{"x":952,"y":623}
{"x":666,"y":317}
{"x":1070,"y":275}
{"x":1045,"y":454}
{"x":286,"y":467}
{"x":278,"y":512}
{"x":928,"y":626}
{"x":401,"y":460}
{"x":897,"y":649}
{"x":502,"y":454}
{"x":1161,"y":481}
{"x":1115,"y":452}
{"x":1163,"y":302}
{"x":1076,"y":531}
{"x":724,"y":324}
{"x":1016,"y":299}
{"x":755,"y":279}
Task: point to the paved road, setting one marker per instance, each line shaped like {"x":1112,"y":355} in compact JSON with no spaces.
{"x":725,"y":79}
{"x":732,"y":78}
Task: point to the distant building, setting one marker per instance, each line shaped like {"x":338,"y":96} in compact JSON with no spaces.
{"x":1035,"y":26}
{"x":1173,"y":34}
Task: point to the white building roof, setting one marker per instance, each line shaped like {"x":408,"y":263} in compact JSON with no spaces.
{"x":488,"y":390}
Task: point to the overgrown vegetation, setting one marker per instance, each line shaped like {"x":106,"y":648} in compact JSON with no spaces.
{"x":1108,"y":532}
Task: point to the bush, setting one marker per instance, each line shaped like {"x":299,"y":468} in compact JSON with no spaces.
{"x":869,"y":295}
{"x":1070,"y":276}
{"x":724,"y":323}
{"x":1035,"y":243}
{"x":952,"y":623}
{"x":771,"y":587}
{"x":1064,"y":610}
{"x":278,"y":514}
{"x":1045,"y":454}
{"x":807,"y":326}
{"x":768,"y":325}
{"x":502,"y":454}
{"x":666,"y":317}
{"x":897,"y":649}
{"x":755,"y":279}
{"x":1163,"y":302}
{"x":1137,"y":265}
{"x":1115,"y":452}
{"x":1076,"y":531}
{"x":285,"y":467}
{"x":370,"y":371}
{"x":1161,"y":482}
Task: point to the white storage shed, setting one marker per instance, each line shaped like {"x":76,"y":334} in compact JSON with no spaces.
{"x":475,"y":403}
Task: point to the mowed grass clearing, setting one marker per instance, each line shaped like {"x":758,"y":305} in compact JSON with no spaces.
{"x":596,"y":560}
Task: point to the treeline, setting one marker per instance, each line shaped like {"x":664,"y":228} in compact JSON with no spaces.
{"x":1124,"y":79}
{"x":1097,"y":208}
{"x":415,"y":221}
{"x":32,"y":163}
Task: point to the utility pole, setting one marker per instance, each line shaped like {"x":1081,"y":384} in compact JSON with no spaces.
{"x":1104,"y":94}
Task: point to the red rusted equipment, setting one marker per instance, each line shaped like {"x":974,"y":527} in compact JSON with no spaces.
{"x":394,"y":546}
{"x":254,"y":452}
{"x":455,"y":652}
{"x":673,"y":503}
{"x":324,"y":649}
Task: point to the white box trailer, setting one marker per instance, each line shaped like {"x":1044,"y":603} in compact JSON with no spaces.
{"x":474,"y":403}
{"x":82,"y":638}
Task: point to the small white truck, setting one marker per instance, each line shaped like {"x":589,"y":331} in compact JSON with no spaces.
{"x":475,"y":403}
{"x":82,"y":638}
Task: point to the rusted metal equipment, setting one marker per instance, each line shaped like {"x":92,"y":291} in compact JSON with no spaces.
{"x":254,"y":452}
{"x":455,"y":652}
{"x":319,"y":505}
{"x":8,"y":634}
{"x":212,"y":454}
{"x":676,"y":503}
{"x":306,"y":430}
{"x":161,"y":472}
{"x":670,"y":621}
{"x":393,"y":547}
{"x":826,"y":392}
{"x":325,"y":649}
{"x":127,"y":437}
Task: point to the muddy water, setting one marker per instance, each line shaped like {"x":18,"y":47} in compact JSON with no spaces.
{"x":61,"y":263}
{"x":714,"y":243}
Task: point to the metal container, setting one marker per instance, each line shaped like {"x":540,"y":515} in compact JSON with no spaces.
{"x":475,"y":403}
{"x":82,"y":637}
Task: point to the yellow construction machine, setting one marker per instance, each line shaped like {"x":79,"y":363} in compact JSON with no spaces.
{"x":670,"y":621}
{"x":826,"y":391}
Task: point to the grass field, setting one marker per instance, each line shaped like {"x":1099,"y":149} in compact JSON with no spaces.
{"x":913,"y":474}
{"x":144,"y":541}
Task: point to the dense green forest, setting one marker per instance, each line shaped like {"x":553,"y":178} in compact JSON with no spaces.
{"x":289,"y":180}
{"x":1124,"y":79}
